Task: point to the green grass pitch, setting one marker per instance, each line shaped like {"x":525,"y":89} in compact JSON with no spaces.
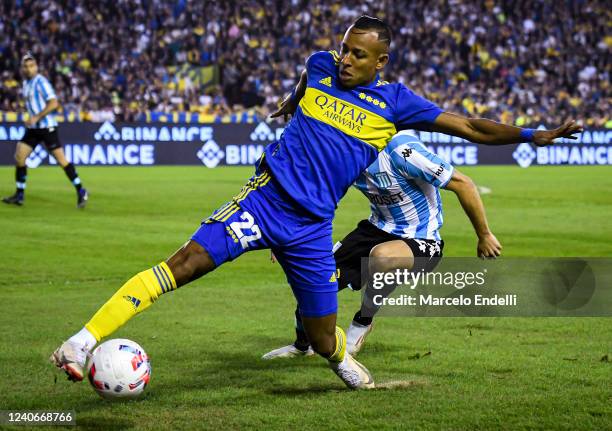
{"x":59,"y":264}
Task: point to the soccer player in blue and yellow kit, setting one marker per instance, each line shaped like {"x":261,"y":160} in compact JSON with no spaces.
{"x":346,"y":115}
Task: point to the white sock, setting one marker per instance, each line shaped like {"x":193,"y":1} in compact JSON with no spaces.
{"x":84,"y":338}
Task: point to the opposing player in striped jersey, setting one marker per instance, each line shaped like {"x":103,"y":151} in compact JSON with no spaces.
{"x":403,"y":229}
{"x":41,"y":126}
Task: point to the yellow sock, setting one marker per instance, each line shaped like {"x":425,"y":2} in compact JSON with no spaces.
{"x":340,"y":350}
{"x":134,"y":296}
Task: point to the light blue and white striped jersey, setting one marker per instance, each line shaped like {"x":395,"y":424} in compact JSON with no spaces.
{"x":37,"y":92}
{"x":402,"y":186}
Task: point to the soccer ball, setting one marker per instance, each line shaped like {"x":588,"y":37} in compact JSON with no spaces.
{"x":119,"y":368}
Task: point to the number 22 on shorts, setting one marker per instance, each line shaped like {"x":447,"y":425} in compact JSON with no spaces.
{"x":248,"y":223}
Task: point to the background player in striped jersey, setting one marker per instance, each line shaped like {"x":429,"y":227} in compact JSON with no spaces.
{"x":403,"y":228}
{"x":41,"y":126}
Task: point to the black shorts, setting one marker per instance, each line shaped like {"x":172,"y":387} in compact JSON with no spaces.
{"x":49,"y":137}
{"x":357,"y":245}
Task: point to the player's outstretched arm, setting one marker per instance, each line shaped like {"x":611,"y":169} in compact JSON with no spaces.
{"x":290,"y":102}
{"x":483,"y":131}
{"x":467,"y":193}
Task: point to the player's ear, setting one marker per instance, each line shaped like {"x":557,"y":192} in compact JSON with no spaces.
{"x":382,"y":61}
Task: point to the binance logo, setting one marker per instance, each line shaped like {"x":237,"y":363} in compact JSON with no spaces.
{"x":372,"y":100}
{"x":134,"y":301}
{"x":326,"y":81}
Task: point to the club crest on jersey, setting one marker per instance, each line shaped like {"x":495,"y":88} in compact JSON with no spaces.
{"x":326,"y":81}
{"x":383,"y":180}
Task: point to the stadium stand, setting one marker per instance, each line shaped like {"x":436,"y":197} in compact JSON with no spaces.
{"x":524,"y":62}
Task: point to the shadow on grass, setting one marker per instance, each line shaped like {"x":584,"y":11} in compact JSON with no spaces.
{"x":307,"y":390}
{"x":230,"y":374}
{"x":314,"y":389}
{"x":245,"y":371}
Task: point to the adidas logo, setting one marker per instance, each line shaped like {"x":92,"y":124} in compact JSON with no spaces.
{"x":326,"y":81}
{"x":334,"y":276}
{"x":135,"y":301}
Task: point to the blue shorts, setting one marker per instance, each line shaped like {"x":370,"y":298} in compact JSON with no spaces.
{"x":262,"y":215}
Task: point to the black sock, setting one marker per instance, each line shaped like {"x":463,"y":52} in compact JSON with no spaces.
{"x":301,"y":340}
{"x":365,"y":321}
{"x":21,"y":173}
{"x":73,"y":176}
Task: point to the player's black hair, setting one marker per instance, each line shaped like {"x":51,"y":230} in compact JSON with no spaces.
{"x":366,"y":22}
{"x":27,"y":57}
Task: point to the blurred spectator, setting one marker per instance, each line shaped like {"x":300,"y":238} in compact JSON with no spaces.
{"x":520,"y":61}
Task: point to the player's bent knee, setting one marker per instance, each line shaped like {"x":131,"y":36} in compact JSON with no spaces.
{"x":189,"y":263}
{"x":391,"y":255}
{"x":20,"y":159}
{"x":21,"y":153}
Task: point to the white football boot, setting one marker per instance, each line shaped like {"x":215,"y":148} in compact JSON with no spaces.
{"x":71,"y":358}
{"x":355,"y":337}
{"x":353,"y":374}
{"x":289,"y":351}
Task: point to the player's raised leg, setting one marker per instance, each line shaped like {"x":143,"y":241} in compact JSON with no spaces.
{"x":222,"y":237}
{"x":22,"y":151}
{"x":189,"y":263}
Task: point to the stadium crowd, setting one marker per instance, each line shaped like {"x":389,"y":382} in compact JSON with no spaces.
{"x":524,"y":62}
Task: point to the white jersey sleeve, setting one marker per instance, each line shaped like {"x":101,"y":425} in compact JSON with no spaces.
{"x":414,"y":161}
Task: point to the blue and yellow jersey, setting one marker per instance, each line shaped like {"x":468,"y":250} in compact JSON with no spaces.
{"x":337,"y":132}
